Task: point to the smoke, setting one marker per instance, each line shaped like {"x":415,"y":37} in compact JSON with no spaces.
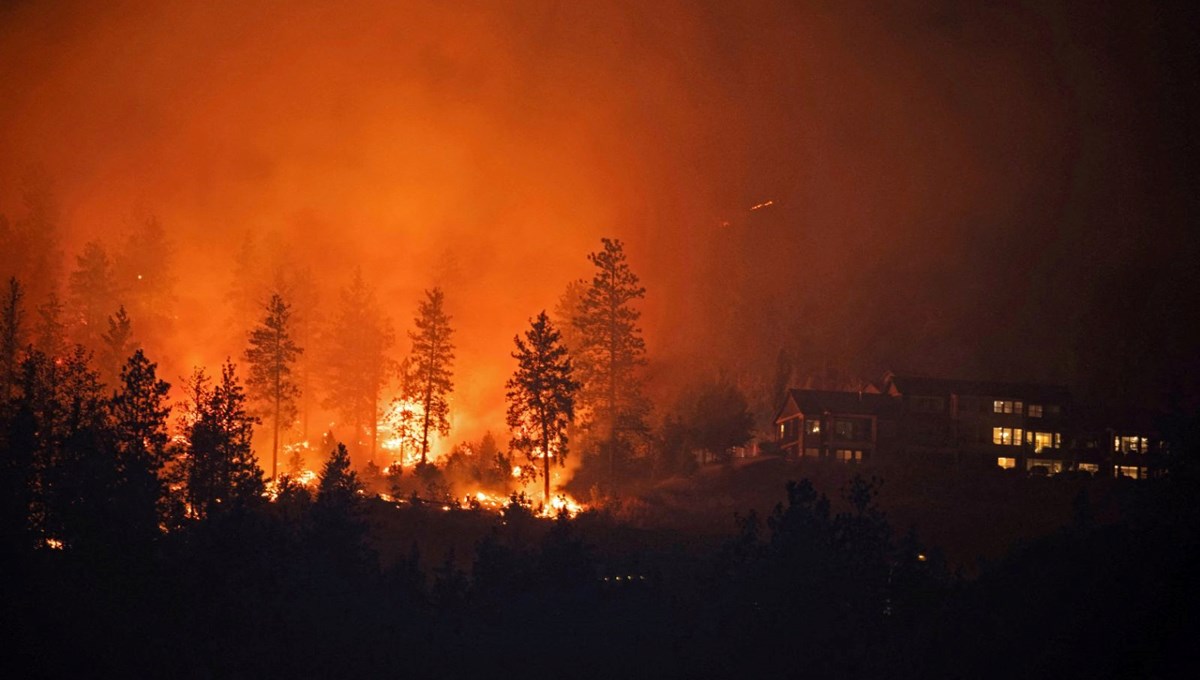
{"x":926,"y":161}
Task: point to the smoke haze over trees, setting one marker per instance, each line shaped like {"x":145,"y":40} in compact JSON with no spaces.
{"x":1002,"y":191}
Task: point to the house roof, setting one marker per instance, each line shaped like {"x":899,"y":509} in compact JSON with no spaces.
{"x":944,"y":387}
{"x":816,"y":402}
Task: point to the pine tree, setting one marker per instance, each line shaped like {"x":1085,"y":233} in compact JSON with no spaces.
{"x":12,"y":337}
{"x":144,"y":274}
{"x":221,"y":470}
{"x":272,"y":355}
{"x":339,"y":486}
{"x":432,"y":358}
{"x":611,"y":352}
{"x":338,"y":526}
{"x":356,"y":365}
{"x":139,"y":420}
{"x":50,"y":333}
{"x":31,"y":244}
{"x":541,"y":397}
{"x":115,"y":345}
{"x":92,"y":289}
{"x":75,"y":472}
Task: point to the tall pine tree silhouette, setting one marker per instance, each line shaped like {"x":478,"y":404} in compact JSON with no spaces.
{"x":541,"y":397}
{"x":431,"y":365}
{"x":272,"y":355}
{"x":220,"y":470}
{"x":611,"y":351}
{"x":356,"y":363}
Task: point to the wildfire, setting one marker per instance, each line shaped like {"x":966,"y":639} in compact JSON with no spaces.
{"x":559,"y":504}
{"x":399,"y":432}
{"x":305,"y":478}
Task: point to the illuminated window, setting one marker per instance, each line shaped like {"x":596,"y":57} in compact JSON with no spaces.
{"x":1035,"y":410}
{"x":1130,"y":471}
{"x":1131,"y":444}
{"x":849,"y":455}
{"x":1007,"y":406}
{"x":1043,"y":440}
{"x":1006,"y":436}
{"x":1048,"y":467}
{"x":812,"y":427}
{"x":1089,"y":467}
{"x":1006,"y":463}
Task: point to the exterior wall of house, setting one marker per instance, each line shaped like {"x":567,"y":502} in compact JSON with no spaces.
{"x":1027,"y":428}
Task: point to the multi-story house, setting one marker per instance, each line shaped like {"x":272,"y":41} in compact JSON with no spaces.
{"x":843,"y":426}
{"x":1013,"y":425}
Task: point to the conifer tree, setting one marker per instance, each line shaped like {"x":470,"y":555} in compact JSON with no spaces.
{"x":12,"y":336}
{"x":221,"y":470}
{"x":115,"y":345}
{"x":139,"y":420}
{"x":143,"y":272}
{"x":50,"y":333}
{"x":92,"y":289}
{"x":272,"y":355}
{"x":541,"y":396}
{"x":338,"y":525}
{"x":611,"y":351}
{"x":357,"y":365}
{"x":431,"y":365}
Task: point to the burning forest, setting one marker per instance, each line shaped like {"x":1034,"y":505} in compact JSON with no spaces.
{"x":618,"y":339}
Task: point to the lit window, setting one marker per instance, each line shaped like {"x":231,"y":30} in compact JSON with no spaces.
{"x":1130,"y":471}
{"x":1131,"y":444}
{"x":1089,"y":467}
{"x":1047,"y":467}
{"x":1044,"y":440}
{"x":813,"y":427}
{"x":1006,"y":463}
{"x":1006,"y":436}
{"x":1007,"y":406}
{"x":849,"y":455}
{"x":1035,"y":410}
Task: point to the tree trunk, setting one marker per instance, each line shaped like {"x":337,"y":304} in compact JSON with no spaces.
{"x":546,"y":468}
{"x":425,"y":427}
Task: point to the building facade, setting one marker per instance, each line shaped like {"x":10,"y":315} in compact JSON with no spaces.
{"x":1027,"y":427}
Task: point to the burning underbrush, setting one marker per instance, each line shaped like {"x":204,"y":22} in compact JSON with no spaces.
{"x":475,"y":476}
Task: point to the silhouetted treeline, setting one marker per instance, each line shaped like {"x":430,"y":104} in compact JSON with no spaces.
{"x":127,"y":551}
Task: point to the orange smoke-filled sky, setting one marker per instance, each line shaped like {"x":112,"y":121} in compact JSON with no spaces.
{"x":488,"y":146}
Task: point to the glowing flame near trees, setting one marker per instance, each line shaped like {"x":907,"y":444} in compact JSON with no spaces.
{"x":400,"y":431}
